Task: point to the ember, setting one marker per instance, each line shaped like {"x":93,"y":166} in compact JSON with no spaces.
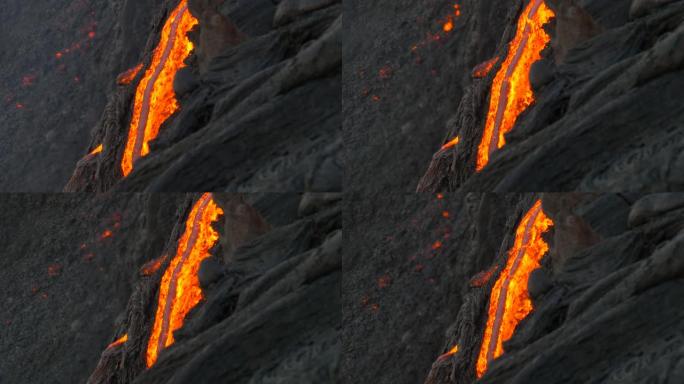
{"x":451,"y":143}
{"x":509,"y":302}
{"x":152,"y":266}
{"x":97,"y":150}
{"x":511,"y":92}
{"x":451,"y":352}
{"x":179,"y":290}
{"x":155,"y":99}
{"x":119,"y":341}
{"x":483,"y":69}
{"x":128,"y":76}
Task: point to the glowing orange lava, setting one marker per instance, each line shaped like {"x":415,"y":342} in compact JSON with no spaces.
{"x":128,"y":76}
{"x":179,"y":290}
{"x":97,"y":150}
{"x":483,"y":69}
{"x":451,"y":352}
{"x":510,"y":302}
{"x":451,"y":143}
{"x":511,"y":92}
{"x":120,"y":341}
{"x":155,"y":99}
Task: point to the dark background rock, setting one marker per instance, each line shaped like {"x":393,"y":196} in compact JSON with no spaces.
{"x":62,"y":98}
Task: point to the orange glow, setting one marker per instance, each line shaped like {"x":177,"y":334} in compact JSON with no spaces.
{"x":511,"y":92}
{"x":451,"y":352}
{"x":155,"y":99}
{"x":128,"y":76}
{"x":448,"y":26}
{"x":120,"y":341}
{"x":106,"y":234}
{"x":483,"y":69}
{"x":510,"y":302}
{"x":97,"y":150}
{"x":152,"y":266}
{"x":451,"y":143}
{"x":179,"y":290}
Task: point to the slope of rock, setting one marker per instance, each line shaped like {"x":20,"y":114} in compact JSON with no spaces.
{"x":60,"y":59}
{"x":607,"y":300}
{"x":259,"y":106}
{"x":80,"y":273}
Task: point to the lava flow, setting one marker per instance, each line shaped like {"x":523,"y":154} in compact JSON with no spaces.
{"x":451,"y":143}
{"x":180,"y":291}
{"x":97,"y":150}
{"x":118,"y":342}
{"x":155,"y":99}
{"x":510,"y":302}
{"x":511,"y":92}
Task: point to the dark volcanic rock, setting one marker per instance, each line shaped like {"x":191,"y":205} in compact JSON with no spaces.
{"x":60,"y":60}
{"x":77,"y":276}
{"x":608,"y":304}
{"x":270,"y":312}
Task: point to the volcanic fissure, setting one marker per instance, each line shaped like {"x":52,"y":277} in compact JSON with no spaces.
{"x":155,"y":100}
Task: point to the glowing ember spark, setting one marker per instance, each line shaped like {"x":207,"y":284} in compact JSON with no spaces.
{"x":510,"y":302}
{"x":97,"y":150}
{"x":180,"y":291}
{"x":128,"y":76}
{"x":118,"y":342}
{"x":511,"y":92}
{"x":155,"y":99}
{"x":451,"y":143}
{"x":152,"y":266}
{"x":106,"y":234}
{"x":483,"y":69}
{"x":451,"y":352}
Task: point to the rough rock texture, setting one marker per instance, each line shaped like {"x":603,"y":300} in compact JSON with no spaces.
{"x":403,"y":79}
{"x":271,"y":313}
{"x":50,"y":104}
{"x":606,"y":116}
{"x":608,"y":298}
{"x":259,"y":106}
{"x":65,"y":284}
{"x":607,"y":121}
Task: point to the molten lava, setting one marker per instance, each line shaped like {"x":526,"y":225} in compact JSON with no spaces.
{"x":511,"y":92}
{"x":128,"y":76}
{"x":155,"y":99}
{"x":483,"y":69}
{"x":451,"y":143}
{"x":180,"y":291}
{"x":97,"y":150}
{"x":120,"y":341}
{"x":510,"y":302}
{"x":451,"y":352}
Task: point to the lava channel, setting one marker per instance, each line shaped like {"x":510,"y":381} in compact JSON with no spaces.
{"x":155,"y":99}
{"x":510,"y":302}
{"x":180,"y":291}
{"x":511,"y":92}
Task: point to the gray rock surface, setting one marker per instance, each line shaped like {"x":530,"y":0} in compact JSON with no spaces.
{"x":62,"y":98}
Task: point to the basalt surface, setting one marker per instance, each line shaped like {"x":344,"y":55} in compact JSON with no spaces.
{"x":607,"y":299}
{"x":79,"y":273}
{"x":604,"y":118}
